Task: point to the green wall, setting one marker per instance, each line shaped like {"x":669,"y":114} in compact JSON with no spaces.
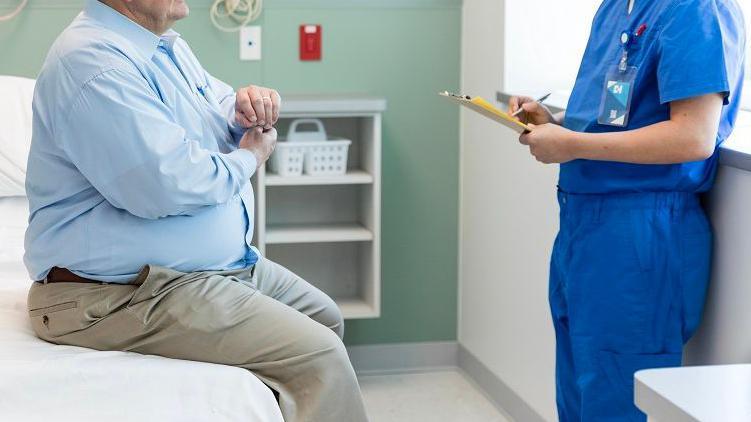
{"x":403,"y":50}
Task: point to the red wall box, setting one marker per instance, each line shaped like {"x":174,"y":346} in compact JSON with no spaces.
{"x":310,"y":42}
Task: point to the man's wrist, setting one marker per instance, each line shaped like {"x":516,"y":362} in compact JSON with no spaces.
{"x":259,"y":158}
{"x":250,"y":159}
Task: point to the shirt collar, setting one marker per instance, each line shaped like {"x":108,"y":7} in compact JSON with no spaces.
{"x":143,"y":40}
{"x":168,"y":39}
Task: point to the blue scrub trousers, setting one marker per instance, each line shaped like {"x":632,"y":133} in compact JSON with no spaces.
{"x":628,"y":279}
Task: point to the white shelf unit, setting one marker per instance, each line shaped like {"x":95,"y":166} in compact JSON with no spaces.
{"x":327,"y":229}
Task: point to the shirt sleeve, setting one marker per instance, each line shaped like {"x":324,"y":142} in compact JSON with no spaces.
{"x":226,"y":97}
{"x":124,"y":140}
{"x":691,"y":59}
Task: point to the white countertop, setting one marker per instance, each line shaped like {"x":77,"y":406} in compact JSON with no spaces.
{"x":699,"y":393}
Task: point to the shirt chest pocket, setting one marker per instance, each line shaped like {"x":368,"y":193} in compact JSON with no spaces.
{"x":185,"y":110}
{"x":643,"y":52}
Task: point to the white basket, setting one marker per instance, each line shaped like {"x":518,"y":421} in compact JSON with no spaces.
{"x":309,"y":150}
{"x":327,"y":157}
{"x":297,"y":132}
{"x":287,"y":159}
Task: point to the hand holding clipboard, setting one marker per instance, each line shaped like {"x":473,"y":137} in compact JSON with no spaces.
{"x":479,"y":105}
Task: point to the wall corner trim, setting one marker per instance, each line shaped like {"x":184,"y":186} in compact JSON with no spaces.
{"x":499,"y":392}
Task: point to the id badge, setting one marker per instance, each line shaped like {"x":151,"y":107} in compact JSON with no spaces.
{"x":618,"y":91}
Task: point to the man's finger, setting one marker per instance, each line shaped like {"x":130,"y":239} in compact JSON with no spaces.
{"x":243,"y":104}
{"x":268,"y":110}
{"x":242,"y":120}
{"x":271,"y":132}
{"x":271,"y":135}
{"x":257,"y":134}
{"x":256,"y":99}
{"x":524,"y":139}
{"x":276,"y":101}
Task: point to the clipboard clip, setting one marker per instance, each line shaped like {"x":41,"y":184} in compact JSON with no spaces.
{"x":461,"y":97}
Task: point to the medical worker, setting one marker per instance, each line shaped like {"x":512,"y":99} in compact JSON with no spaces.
{"x":658,"y":89}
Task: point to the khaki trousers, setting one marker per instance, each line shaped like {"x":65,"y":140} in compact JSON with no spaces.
{"x":264,"y":319}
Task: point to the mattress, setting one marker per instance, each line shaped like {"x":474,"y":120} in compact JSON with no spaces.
{"x":40,"y":381}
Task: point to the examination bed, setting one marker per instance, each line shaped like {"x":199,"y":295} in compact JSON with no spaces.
{"x":40,"y":381}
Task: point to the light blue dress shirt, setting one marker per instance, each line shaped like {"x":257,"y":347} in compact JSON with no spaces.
{"x":134,"y":157}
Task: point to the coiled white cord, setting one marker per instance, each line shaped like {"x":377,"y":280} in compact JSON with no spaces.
{"x":242,"y":12}
{"x":14,"y":13}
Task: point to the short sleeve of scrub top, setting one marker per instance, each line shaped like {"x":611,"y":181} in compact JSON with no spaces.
{"x":689,"y":48}
{"x":691,"y":52}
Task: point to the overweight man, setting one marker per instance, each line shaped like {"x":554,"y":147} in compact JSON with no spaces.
{"x":142,"y":214}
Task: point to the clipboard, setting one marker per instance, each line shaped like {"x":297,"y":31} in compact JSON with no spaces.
{"x":479,"y":105}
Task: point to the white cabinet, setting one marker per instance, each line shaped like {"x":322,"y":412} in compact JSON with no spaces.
{"x":327,"y":229}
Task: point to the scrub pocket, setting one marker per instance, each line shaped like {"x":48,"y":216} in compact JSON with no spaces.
{"x":620,"y":270}
{"x":696,"y":259}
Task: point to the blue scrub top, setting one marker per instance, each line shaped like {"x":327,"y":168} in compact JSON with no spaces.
{"x":690,"y":48}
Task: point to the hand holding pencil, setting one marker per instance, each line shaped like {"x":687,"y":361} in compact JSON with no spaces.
{"x":531,"y":110}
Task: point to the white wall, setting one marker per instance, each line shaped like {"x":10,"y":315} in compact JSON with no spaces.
{"x":544,"y":42}
{"x":508,"y":222}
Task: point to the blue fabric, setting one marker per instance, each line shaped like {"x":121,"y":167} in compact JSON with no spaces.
{"x":134,"y":157}
{"x":628,"y":279}
{"x":690,"y":48}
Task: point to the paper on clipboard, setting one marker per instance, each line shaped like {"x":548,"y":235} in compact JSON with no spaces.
{"x":479,"y":105}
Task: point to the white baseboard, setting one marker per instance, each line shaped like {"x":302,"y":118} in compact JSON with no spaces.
{"x":380,"y":359}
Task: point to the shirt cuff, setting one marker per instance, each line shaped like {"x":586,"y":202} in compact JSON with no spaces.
{"x":246,"y":160}
{"x":235,"y":129}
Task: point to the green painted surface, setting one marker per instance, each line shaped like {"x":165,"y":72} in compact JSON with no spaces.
{"x":403,"y":54}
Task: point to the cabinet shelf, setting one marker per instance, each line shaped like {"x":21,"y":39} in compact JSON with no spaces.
{"x":317,"y":233}
{"x":356,"y":308}
{"x":354,"y":177}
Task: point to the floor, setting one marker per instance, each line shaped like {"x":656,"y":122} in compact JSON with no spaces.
{"x":426,"y":397}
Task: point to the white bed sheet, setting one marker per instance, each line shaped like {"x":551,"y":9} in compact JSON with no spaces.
{"x":43,"y":382}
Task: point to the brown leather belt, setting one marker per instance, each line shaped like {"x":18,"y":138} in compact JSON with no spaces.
{"x":61,"y":275}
